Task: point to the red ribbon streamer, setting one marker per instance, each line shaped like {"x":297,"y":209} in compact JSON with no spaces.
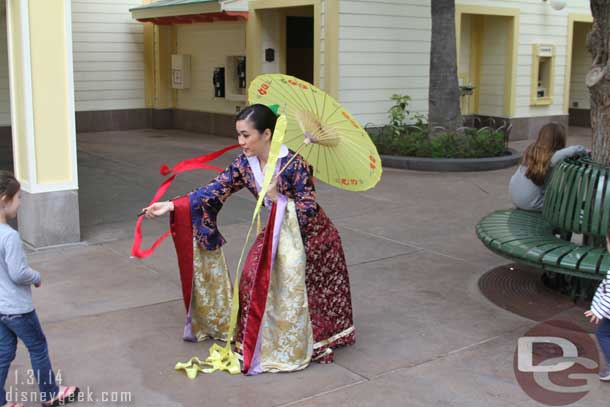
{"x":182,"y":232}
{"x":195,"y":163}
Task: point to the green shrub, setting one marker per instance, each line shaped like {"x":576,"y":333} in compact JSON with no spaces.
{"x":398,"y":113}
{"x":415,"y":142}
{"x":485,"y":142}
{"x":407,"y":135}
{"x":400,"y":116}
{"x":445,"y":145}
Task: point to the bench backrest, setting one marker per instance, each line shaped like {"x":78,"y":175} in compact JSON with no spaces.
{"x":577,"y":198}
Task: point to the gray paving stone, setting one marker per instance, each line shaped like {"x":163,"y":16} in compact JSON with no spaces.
{"x":425,"y":334}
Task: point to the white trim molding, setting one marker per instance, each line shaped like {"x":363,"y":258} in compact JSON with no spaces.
{"x":25,"y":128}
{"x":27,"y":109}
{"x":54,"y":187}
{"x":71,"y":109}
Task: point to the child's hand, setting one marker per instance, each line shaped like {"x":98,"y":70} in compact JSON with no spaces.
{"x":594,"y":320}
{"x":38,"y":284}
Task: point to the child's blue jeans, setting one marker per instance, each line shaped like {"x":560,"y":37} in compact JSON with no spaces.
{"x":603,"y":337}
{"x":27,"y":328}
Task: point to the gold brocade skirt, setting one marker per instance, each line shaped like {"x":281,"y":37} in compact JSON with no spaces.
{"x":286,"y":332}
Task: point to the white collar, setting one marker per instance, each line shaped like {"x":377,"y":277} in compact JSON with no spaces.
{"x":255,"y":165}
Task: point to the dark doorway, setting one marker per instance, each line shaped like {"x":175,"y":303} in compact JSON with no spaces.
{"x":299,"y":47}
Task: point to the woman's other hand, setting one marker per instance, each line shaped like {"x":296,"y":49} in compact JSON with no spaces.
{"x":158,"y":209}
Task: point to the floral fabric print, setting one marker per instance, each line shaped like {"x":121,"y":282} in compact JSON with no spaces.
{"x":326,"y":276}
{"x":286,"y":337}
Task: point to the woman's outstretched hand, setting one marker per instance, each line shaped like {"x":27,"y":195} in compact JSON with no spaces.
{"x":158,"y":209}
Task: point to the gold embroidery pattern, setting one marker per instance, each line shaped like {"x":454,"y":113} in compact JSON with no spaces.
{"x":287,"y":335}
{"x":211,"y":297}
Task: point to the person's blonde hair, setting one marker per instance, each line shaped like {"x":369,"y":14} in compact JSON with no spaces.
{"x":537,"y":157}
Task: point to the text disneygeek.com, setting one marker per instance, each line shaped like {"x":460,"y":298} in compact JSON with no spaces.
{"x":86,"y":395}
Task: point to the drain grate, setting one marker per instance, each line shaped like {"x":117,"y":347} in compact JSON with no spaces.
{"x":519,"y":289}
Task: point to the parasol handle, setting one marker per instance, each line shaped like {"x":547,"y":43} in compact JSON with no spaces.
{"x":305,"y":142}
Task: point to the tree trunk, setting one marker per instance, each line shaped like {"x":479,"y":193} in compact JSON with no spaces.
{"x":444,"y":91}
{"x":598,"y":81}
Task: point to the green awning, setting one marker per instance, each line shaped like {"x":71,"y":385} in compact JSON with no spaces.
{"x":176,"y":11}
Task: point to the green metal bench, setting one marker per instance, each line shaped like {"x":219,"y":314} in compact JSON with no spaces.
{"x":577,"y":201}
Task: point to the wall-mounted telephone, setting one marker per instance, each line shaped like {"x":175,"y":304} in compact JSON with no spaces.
{"x":235,"y":78}
{"x":241,"y":72}
{"x":218,"y":79}
{"x":541,"y":92}
{"x":269,"y":55}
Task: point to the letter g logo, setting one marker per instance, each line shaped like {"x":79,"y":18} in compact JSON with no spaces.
{"x":556,"y":363}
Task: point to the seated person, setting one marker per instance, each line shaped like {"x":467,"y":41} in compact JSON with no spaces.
{"x":528,"y":183}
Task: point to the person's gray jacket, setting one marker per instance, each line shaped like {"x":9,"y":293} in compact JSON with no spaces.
{"x":529,"y":196}
{"x":16,"y":277}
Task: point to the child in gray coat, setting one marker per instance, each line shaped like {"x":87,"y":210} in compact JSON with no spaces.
{"x":18,"y":319}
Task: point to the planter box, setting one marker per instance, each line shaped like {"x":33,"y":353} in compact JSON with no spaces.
{"x":452,"y":164}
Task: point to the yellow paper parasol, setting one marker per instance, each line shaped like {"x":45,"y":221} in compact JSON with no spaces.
{"x":322,"y":131}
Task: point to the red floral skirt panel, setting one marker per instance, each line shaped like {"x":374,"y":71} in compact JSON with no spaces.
{"x":328,"y":288}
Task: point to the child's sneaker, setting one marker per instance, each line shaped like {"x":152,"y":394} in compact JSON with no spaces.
{"x":67,"y":394}
{"x":605,"y":375}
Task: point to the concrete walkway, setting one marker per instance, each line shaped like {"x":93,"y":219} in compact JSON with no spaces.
{"x":425,"y":334}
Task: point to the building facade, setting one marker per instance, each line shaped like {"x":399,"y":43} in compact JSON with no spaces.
{"x":525,"y":60}
{"x":91,"y":65}
{"x":374,"y":49}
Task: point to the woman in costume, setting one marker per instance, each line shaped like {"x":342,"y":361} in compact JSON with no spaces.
{"x":294,"y":293}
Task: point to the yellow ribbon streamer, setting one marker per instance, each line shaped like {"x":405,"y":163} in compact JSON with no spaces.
{"x":216,"y":361}
{"x":223,"y":358}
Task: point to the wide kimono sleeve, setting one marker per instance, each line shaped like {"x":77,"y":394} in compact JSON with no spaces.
{"x":206,"y":202}
{"x":303,"y":191}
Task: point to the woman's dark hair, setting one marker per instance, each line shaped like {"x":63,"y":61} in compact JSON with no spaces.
{"x":261,"y":117}
{"x":9,"y":185}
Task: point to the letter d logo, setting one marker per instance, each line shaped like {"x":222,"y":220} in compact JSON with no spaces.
{"x":556,"y":363}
